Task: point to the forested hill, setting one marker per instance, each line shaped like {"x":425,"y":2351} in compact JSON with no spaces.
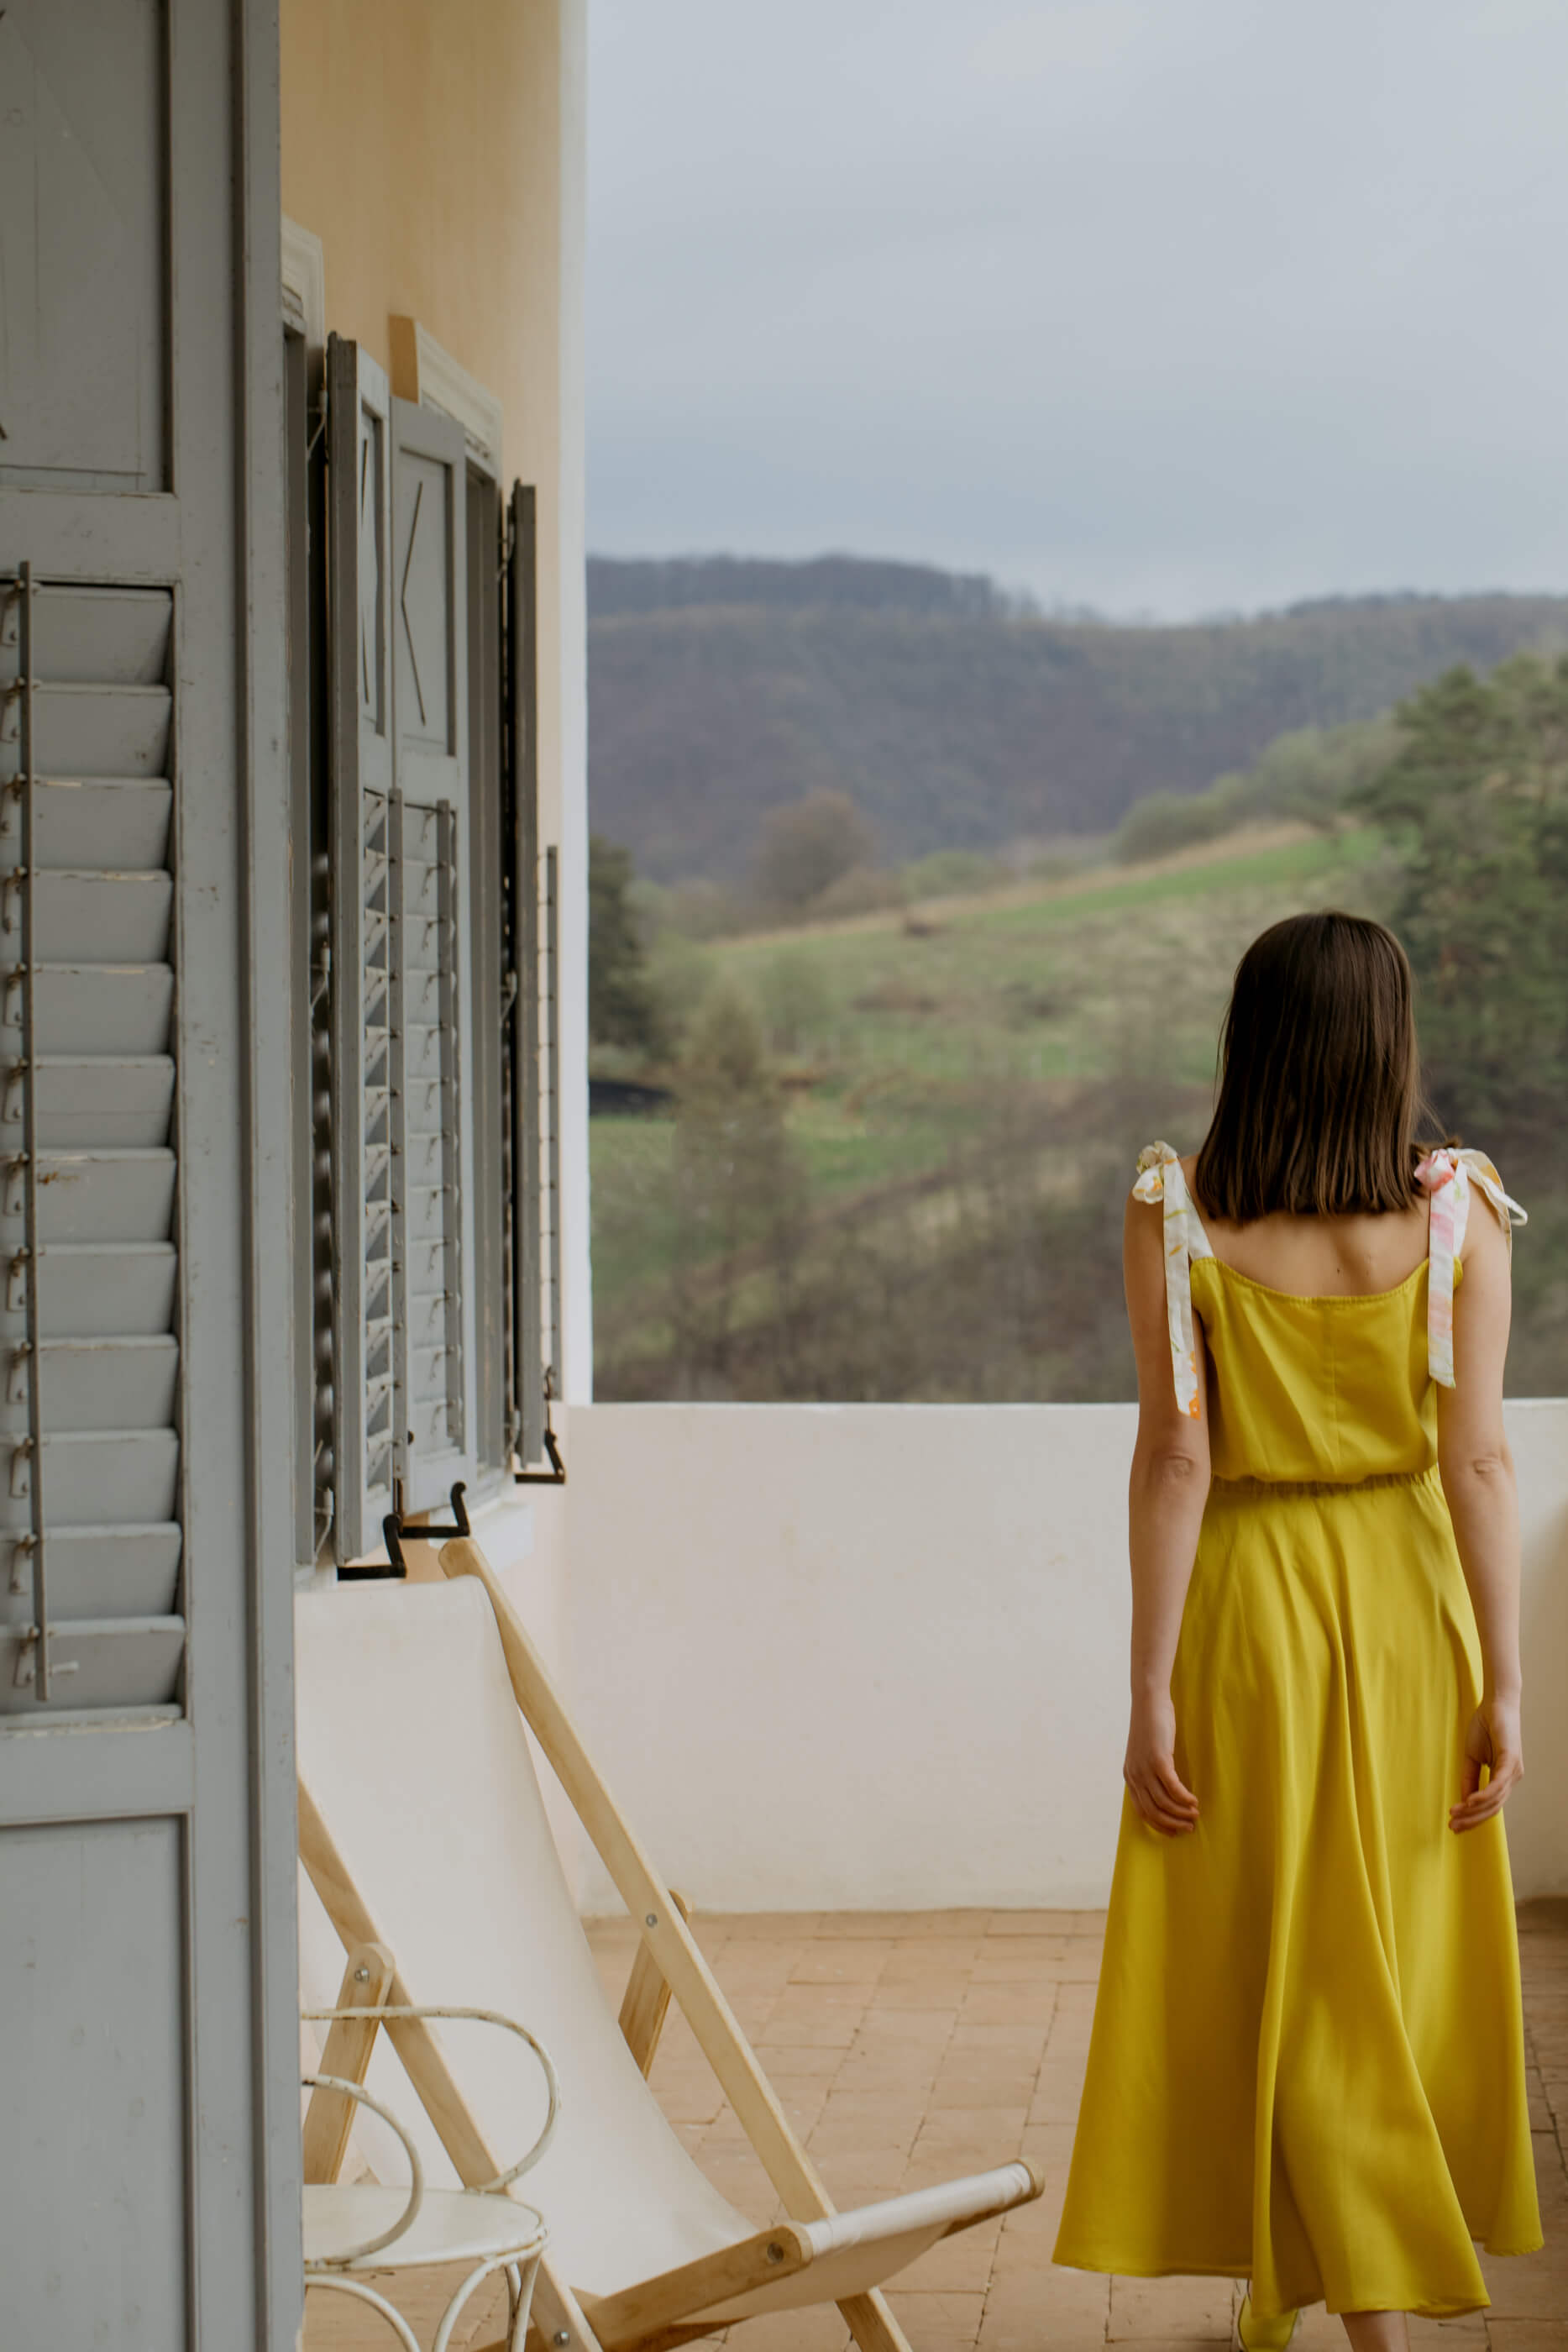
{"x":721,"y":688}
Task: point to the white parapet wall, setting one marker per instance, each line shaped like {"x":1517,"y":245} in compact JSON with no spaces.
{"x":874,"y":1657}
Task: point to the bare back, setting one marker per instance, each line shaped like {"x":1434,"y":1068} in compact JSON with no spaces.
{"x":1320,"y":1258}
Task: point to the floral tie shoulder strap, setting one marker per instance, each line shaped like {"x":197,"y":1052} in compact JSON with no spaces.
{"x":1447,"y":1175}
{"x":1160,"y":1178}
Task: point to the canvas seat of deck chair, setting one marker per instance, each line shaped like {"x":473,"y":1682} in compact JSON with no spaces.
{"x":424,"y":1826}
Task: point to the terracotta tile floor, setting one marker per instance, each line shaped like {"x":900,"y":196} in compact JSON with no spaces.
{"x":908,"y":2048}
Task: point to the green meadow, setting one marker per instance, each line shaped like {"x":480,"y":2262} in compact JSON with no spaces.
{"x":923,"y":1057}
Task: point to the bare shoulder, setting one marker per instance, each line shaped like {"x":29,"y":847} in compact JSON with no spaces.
{"x":1143,"y":1257}
{"x":1485,"y":1248}
{"x":1142,"y":1228}
{"x":1209,"y":1217}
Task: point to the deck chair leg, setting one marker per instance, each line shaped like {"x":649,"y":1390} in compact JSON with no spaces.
{"x":556,"y":2323}
{"x":873,"y":2325}
{"x":647,"y":2000}
{"x":330,"y":2117}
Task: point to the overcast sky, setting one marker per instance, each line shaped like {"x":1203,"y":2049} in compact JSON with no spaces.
{"x":1166,"y":308}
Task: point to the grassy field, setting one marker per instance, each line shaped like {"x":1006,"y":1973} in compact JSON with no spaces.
{"x":1054,"y":982}
{"x":949,"y":1080}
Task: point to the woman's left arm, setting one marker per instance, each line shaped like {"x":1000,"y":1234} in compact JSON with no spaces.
{"x":1165,"y":1498}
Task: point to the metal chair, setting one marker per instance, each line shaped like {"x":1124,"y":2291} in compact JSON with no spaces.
{"x":350,"y":2228}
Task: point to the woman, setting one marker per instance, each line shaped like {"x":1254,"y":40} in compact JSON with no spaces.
{"x":1307,"y":2064}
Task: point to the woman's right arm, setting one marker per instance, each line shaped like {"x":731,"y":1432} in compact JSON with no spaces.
{"x":1477,"y":1470}
{"x":1166,"y":1496}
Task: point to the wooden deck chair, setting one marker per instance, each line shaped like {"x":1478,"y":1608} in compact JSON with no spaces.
{"x":422,"y":1827}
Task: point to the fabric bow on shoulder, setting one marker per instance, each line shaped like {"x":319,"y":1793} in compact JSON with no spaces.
{"x":1160,"y":1178}
{"x":1447,"y":1175}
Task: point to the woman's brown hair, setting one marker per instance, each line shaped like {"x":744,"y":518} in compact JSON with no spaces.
{"x":1319,"y":1076}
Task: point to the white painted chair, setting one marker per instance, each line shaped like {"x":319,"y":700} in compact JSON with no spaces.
{"x":362,"y":2226}
{"x":421,"y":1824}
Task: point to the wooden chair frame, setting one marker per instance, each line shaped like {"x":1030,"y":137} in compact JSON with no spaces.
{"x":656,"y":2313}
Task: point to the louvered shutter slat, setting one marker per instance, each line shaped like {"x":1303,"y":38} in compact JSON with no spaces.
{"x":101,"y":637}
{"x":105,"y":1195}
{"x":102,"y":1477}
{"x":426,"y":1211}
{"x":114,"y":1008}
{"x":90,"y":1450}
{"x":86,"y":1100}
{"x":111,"y":1383}
{"x":105,"y":918}
{"x":122,"y":1569}
{"x":95,"y":730}
{"x":107,"y":1289}
{"x":126,"y":820}
{"x":126,"y":1662}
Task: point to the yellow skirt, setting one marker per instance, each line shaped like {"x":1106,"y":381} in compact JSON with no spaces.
{"x":1307,"y":2066}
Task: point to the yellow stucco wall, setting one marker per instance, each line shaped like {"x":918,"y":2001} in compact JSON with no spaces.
{"x":436,"y":148}
{"x":421,"y":143}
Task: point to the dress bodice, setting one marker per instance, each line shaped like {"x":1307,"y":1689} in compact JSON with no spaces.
{"x":1333,"y":1390}
{"x":1318,"y":1389}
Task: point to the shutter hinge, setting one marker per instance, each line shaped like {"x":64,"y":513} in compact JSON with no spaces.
{"x":555,"y":1474}
{"x":27,"y":1662}
{"x":394,"y":1527}
{"x":323,"y":412}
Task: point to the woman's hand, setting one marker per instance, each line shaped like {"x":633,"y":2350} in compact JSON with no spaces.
{"x":1493,"y":1740}
{"x":1156,"y":1786}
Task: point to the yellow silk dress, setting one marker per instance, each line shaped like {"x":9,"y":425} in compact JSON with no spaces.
{"x":1307,"y":2062}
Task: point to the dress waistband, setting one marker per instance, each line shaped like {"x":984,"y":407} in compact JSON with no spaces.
{"x":1249,"y":1489}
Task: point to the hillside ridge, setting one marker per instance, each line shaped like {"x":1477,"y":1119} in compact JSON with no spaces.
{"x":955,"y":716}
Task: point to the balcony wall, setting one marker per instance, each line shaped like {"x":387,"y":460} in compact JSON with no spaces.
{"x":875,"y":1657}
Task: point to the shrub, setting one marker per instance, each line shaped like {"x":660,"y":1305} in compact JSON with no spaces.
{"x":949,"y":873}
{"x":864,"y":890}
{"x":807,"y":846}
{"x":1169,"y":821}
{"x":794,"y":1000}
{"x":680,"y":975}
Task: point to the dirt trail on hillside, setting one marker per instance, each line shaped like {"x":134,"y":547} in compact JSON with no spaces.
{"x":1248,"y":840}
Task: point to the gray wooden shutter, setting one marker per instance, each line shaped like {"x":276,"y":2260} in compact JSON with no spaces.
{"x":407,"y":1418}
{"x":148,"y":2037}
{"x":525,"y":1062}
{"x":364,"y":926}
{"x":488,"y":994}
{"x":90,"y":1450}
{"x":436,"y":1376}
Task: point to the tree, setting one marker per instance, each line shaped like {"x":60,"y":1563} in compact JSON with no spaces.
{"x":738,"y":1195}
{"x":810,"y":846}
{"x":622,"y":1008}
{"x":1479,"y":792}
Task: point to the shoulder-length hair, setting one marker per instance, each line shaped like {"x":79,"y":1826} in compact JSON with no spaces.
{"x":1320,"y":1087}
